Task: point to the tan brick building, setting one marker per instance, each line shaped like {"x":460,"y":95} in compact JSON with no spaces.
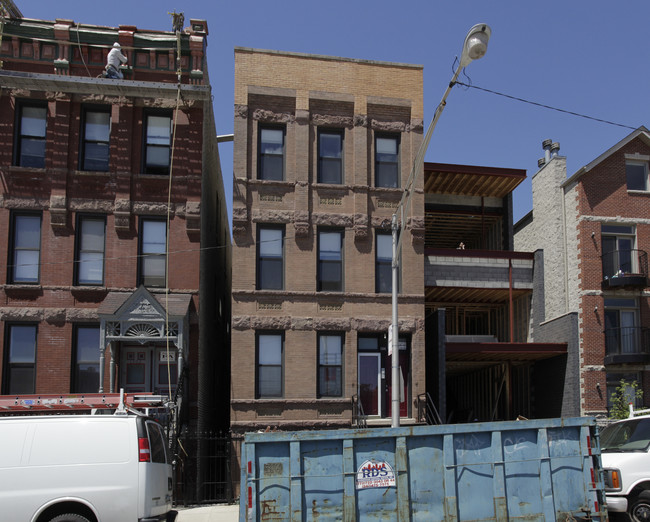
{"x":322,"y":148}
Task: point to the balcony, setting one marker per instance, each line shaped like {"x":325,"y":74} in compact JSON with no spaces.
{"x":629,"y":344}
{"x":625,"y":269}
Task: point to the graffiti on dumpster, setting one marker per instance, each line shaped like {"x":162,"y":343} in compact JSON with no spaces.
{"x":375,"y":474}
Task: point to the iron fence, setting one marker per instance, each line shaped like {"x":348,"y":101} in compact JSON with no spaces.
{"x":203,"y":469}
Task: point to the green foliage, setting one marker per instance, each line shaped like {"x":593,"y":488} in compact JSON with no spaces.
{"x":625,"y":393}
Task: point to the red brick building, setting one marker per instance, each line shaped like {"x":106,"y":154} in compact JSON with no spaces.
{"x":593,"y":231}
{"x":114,"y":238}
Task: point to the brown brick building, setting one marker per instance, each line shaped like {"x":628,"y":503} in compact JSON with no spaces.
{"x":322,"y":148}
{"x":115,"y":247}
{"x":593,"y":233}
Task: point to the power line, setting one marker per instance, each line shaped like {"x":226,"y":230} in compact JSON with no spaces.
{"x":509,"y":96}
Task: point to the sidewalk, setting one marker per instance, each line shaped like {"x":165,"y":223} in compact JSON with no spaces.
{"x":216,"y":513}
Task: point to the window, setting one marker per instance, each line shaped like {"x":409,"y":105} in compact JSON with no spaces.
{"x":270,"y":347}
{"x":30,"y":138}
{"x":636,"y":174}
{"x":330,"y":157}
{"x":90,"y":251}
{"x":153,"y":252}
{"x":618,"y":250}
{"x":330,"y":260}
{"x":270,"y":258}
{"x":387,"y":161}
{"x":330,"y":365}
{"x":622,"y":334}
{"x":384,"y":262}
{"x":20,"y":370}
{"x":25,"y":248}
{"x":158,"y":131}
{"x":271,"y":154}
{"x":95,"y":141}
{"x":86,"y":360}
{"x":614,"y":382}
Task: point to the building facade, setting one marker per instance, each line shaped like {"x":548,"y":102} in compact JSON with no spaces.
{"x":481,"y":364}
{"x":592,"y":232}
{"x":115,"y":251}
{"x":323,"y":147}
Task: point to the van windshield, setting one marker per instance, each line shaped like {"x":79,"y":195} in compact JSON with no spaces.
{"x":631,"y":435}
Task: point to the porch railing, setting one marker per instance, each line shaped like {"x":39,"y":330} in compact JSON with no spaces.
{"x":359,"y":418}
{"x":427,"y":411}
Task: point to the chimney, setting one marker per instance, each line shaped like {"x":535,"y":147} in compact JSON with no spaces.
{"x":550,"y":151}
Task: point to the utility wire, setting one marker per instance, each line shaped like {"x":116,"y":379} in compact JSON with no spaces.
{"x":545,"y":106}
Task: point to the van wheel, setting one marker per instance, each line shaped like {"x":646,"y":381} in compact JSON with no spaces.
{"x":69,"y":517}
{"x":639,"y":509}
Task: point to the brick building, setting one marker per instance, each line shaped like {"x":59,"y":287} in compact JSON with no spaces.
{"x":592,"y":234}
{"x":322,"y":147}
{"x":115,"y":245}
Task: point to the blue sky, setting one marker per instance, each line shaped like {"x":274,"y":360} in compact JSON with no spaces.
{"x":585,"y":56}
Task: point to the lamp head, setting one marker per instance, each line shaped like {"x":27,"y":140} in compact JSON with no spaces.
{"x":475,"y":45}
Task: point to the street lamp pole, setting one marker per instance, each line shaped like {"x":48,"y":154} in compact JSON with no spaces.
{"x":474,"y":47}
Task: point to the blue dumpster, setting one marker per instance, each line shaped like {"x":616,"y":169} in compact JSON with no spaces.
{"x":529,"y":470}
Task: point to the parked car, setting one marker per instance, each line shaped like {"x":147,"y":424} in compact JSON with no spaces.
{"x":84,"y":468}
{"x":625,"y":447}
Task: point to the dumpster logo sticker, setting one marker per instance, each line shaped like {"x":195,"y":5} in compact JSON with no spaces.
{"x":375,"y":474}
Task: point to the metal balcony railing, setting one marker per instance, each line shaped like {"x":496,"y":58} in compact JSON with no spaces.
{"x":625,"y":263}
{"x":627,"y":340}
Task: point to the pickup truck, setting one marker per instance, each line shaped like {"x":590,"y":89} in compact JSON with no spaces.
{"x":625,"y":447}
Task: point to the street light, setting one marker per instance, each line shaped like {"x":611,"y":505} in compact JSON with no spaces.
{"x":474,"y":47}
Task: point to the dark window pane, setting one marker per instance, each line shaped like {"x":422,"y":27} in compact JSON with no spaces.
{"x":21,"y":380}
{"x":157,"y":156}
{"x":96,"y":156}
{"x":637,"y":176}
{"x":270,"y":381}
{"x":330,"y":384}
{"x":22,"y":341}
{"x":386,"y":175}
{"x":32,"y":153}
{"x":384,"y":278}
{"x":270,"y":277}
{"x":87,"y":380}
{"x":330,"y":171}
{"x":272,"y":168}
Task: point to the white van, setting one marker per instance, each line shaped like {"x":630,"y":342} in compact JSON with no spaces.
{"x":84,"y":468}
{"x":625,"y":453}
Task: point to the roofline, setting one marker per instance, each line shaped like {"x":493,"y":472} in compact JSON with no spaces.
{"x":111,"y":87}
{"x":473,"y":169}
{"x":239,"y":49}
{"x":642,"y":132}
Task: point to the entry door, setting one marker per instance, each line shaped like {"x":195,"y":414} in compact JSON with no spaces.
{"x":370,"y":383}
{"x":149,"y":369}
{"x":166,"y":368}
{"x":136,"y":369}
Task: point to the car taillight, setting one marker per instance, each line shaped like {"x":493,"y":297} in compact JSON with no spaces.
{"x":143,"y":447}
